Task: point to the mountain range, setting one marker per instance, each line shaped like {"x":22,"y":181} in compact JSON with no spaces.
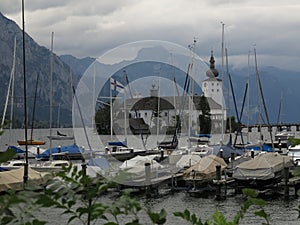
{"x":280,"y":87}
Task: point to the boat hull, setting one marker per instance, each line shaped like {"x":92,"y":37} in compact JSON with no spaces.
{"x":31,"y":142}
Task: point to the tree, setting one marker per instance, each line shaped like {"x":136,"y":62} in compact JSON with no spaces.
{"x":204,"y":117}
{"x":102,"y":119}
{"x":234,"y":124}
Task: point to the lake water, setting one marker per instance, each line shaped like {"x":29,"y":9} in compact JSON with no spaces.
{"x":281,"y":211}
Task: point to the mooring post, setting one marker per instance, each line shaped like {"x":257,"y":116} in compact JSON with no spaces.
{"x":148,"y":179}
{"x":221,"y":153}
{"x":286,"y":181}
{"x":218,"y":178}
{"x":279,"y":144}
{"x":83,"y":166}
{"x":252,"y":154}
{"x":38,"y":149}
{"x":232,"y":155}
{"x":162,"y":155}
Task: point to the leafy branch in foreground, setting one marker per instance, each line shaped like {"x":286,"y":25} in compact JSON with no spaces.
{"x":80,"y":198}
{"x":219,"y":218}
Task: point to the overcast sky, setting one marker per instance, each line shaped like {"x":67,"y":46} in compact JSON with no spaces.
{"x":91,"y":27}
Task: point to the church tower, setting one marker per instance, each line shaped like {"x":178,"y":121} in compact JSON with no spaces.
{"x":212,"y":86}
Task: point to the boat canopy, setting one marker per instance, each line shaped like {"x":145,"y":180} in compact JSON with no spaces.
{"x":187,"y":161}
{"x":13,"y":179}
{"x":263,"y":167}
{"x":70,"y":149}
{"x":118,"y":143}
{"x":205,"y":168}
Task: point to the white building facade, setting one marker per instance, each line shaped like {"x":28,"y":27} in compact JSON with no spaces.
{"x":168,"y":106}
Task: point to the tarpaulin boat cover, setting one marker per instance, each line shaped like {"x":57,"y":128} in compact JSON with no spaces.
{"x":136,"y":165}
{"x":205,"y":168}
{"x":70,"y":149}
{"x":13,"y":179}
{"x":262,"y":167}
{"x":187,"y":161}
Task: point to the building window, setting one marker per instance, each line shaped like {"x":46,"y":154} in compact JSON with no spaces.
{"x":166,"y":113}
{"x":217,"y":90}
{"x":145,"y":114}
{"x":212,"y":84}
{"x":212,"y":90}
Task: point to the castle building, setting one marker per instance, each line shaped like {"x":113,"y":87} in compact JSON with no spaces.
{"x":212,"y":86}
{"x":168,"y":107}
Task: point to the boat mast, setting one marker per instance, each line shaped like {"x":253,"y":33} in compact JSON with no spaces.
{"x":222,"y":103}
{"x":51,"y":92}
{"x":191,"y":97}
{"x":9,"y":89}
{"x":136,"y":113}
{"x":34,"y":104}
{"x":228,"y":93}
{"x":111,"y":109}
{"x":12,"y":92}
{"x":25,"y":177}
{"x":263,"y":99}
{"x":279,"y":120}
{"x":158,"y":108}
{"x":125,"y":116}
{"x":248,"y":102}
{"x":58,"y":116}
{"x":94,"y":99}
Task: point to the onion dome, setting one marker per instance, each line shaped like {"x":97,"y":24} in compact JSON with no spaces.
{"x":212,"y":72}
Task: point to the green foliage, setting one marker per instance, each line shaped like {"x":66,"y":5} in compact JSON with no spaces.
{"x":294,"y":141}
{"x":17,"y":208}
{"x":7,"y":155}
{"x":79,"y":197}
{"x":220,"y":219}
{"x":158,"y":218}
{"x":234,"y":124}
{"x":102,"y":119}
{"x":298,"y":209}
{"x":192,"y":218}
{"x":5,"y":125}
{"x":204,"y":117}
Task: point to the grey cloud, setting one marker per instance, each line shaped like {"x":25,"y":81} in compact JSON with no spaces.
{"x":88,"y":28}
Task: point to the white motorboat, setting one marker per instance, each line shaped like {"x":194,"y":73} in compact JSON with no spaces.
{"x":48,"y":166}
{"x":294,"y":152}
{"x":284,"y":135}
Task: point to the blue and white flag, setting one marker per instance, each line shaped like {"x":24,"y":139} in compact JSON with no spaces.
{"x":116,"y":86}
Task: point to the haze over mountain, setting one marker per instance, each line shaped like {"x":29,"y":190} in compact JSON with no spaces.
{"x":37,"y":64}
{"x":275,"y":82}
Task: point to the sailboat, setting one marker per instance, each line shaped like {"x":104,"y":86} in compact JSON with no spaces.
{"x":282,"y":133}
{"x":31,"y":141}
{"x":173,"y":144}
{"x":10,"y":89}
{"x":60,"y":136}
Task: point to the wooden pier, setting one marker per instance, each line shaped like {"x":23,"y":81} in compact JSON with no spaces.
{"x":220,"y":185}
{"x":278,"y":127}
